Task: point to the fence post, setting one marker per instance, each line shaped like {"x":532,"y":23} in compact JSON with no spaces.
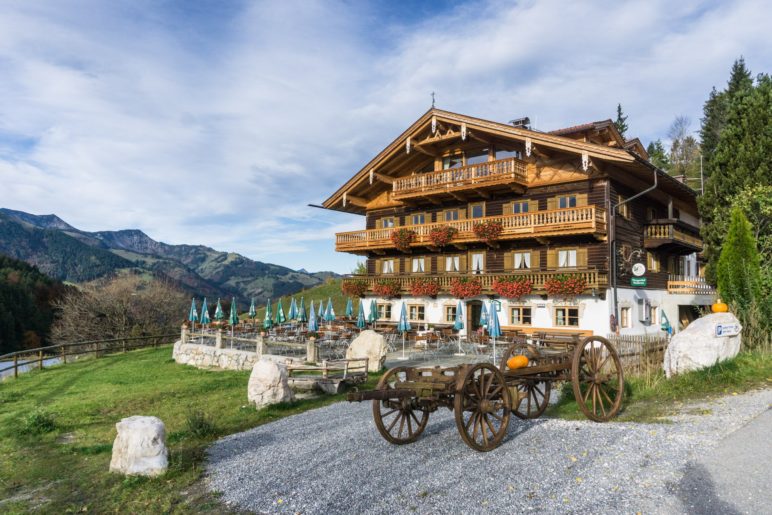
{"x":184,"y":334}
{"x":312,"y":355}
{"x":40,"y":360}
{"x":15,"y":366}
{"x":218,"y":338}
{"x":260,"y":347}
{"x":124,"y":345}
{"x":97,"y":350}
{"x":64,"y":355}
{"x":324,"y":369}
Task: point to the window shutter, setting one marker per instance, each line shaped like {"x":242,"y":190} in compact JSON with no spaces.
{"x":581,"y":258}
{"x":378,"y":267}
{"x":533,"y":206}
{"x":397,"y":265}
{"x":429,"y":264}
{"x":508,"y":261}
{"x":581,"y":199}
{"x":461,"y":213}
{"x":552,"y":259}
{"x":462,"y":267}
{"x":506,"y":209}
{"x":552,"y":203}
{"x":379,"y":223}
{"x":535,"y":257}
{"x":397,"y":221}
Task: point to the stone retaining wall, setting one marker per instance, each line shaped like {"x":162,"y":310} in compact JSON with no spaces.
{"x":205,"y":356}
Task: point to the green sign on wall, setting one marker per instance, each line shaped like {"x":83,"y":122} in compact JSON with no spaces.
{"x":637,"y":281}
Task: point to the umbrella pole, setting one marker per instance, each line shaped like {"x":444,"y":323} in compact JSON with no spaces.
{"x":460,"y":352}
{"x":494,"y":351}
{"x":403,"y":357}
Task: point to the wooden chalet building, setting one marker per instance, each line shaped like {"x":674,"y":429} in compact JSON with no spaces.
{"x":556,"y":200}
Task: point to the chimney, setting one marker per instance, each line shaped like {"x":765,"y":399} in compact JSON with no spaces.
{"x":521,"y":123}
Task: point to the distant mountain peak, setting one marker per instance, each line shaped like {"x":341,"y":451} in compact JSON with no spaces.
{"x":40,"y":221}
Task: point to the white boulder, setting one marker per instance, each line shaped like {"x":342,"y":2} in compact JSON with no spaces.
{"x":268,"y":384}
{"x":698,"y":346}
{"x":370,"y":345}
{"x":140,"y":447}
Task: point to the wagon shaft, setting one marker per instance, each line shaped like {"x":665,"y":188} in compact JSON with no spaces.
{"x":380,"y":395}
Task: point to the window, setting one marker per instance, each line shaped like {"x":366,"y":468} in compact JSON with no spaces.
{"x":451,"y":215}
{"x":567,"y":317}
{"x":624,"y":209}
{"x":624,"y":317}
{"x":384,"y":311}
{"x":453,"y":161}
{"x":652,"y":315}
{"x":418,"y":265}
{"x":567,"y":201}
{"x":387,"y":266}
{"x":452,"y":264}
{"x":522,"y":260}
{"x":387,"y":223}
{"x":567,"y":258}
{"x":478,"y":262}
{"x":476,"y":210}
{"x":520,"y":207}
{"x":416,"y":312}
{"x":479,"y":157}
{"x":520,"y":316}
{"x":651,"y":213}
{"x":418,"y":219}
{"x":652,"y":262}
{"x":450,"y":314}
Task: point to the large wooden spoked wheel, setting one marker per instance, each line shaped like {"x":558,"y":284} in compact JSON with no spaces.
{"x":482,"y":407}
{"x":533,"y":396}
{"x":597,"y":378}
{"x":399,"y":421}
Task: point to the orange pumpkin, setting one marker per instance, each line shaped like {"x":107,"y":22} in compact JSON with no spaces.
{"x":517,"y":362}
{"x":719,"y":307}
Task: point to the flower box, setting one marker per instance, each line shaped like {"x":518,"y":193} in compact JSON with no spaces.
{"x":464,"y":287}
{"x":488,"y":231}
{"x":441,"y":236}
{"x":354,"y":287}
{"x":565,"y":285}
{"x":387,"y":288}
{"x":402,"y":238}
{"x":424,"y":288}
{"x":512,"y":288}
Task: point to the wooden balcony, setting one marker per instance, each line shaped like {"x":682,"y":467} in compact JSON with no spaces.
{"x":689,"y":285}
{"x":595,"y":279}
{"x":510,"y":171}
{"x":558,"y":222}
{"x":668,"y":234}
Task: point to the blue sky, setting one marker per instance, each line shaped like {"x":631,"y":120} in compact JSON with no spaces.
{"x":216,"y":123}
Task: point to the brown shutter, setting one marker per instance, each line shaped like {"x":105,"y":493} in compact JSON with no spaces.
{"x":461,"y":214}
{"x":581,"y":199}
{"x":533,"y":206}
{"x":378,"y":267}
{"x":429,"y":264}
{"x":509,"y":261}
{"x":535,"y":260}
{"x":379,"y":223}
{"x":397,"y":266}
{"x":552,"y":203}
{"x":506,"y":209}
{"x":581,"y":258}
{"x":552,"y":259}
{"x":462,"y":264}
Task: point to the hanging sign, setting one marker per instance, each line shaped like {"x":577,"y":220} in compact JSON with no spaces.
{"x":637,"y":281}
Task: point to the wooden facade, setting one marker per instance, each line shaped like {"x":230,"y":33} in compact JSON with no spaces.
{"x":555,"y":196}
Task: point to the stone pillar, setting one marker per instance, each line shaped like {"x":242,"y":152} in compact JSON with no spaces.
{"x":218,"y":339}
{"x":260,"y":348}
{"x":312,"y":351}
{"x":184,"y":334}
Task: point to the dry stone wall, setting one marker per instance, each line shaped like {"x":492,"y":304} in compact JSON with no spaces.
{"x":205,"y":356}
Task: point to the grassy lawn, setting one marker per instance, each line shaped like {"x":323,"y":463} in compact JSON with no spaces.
{"x":322,"y":292}
{"x":651,"y":397}
{"x":57,"y":427}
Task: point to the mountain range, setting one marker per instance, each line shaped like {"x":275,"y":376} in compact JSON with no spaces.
{"x":66,"y":253}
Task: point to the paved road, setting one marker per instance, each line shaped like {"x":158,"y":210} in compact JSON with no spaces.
{"x":332,"y":460}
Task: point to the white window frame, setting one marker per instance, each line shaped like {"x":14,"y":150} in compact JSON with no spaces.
{"x":520,"y":207}
{"x":625,"y":314}
{"x":416,"y":215}
{"x":419,"y":309}
{"x":450,"y":313}
{"x":384,"y":311}
{"x":521,"y":258}
{"x":451,"y":215}
{"x":387,"y":266}
{"x":520,"y":319}
{"x":480,"y":261}
{"x":566,"y":199}
{"x":567,"y":258}
{"x":387,"y":222}
{"x":567,"y":317}
{"x":452,"y":264}
{"x":418,"y":265}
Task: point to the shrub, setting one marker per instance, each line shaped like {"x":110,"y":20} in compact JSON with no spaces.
{"x":199,"y":425}
{"x":738,"y":270}
{"x":565,"y":285}
{"x":387,"y":288}
{"x":424,"y":287}
{"x":402,"y":238}
{"x":464,"y":287}
{"x":354,"y":287}
{"x":441,"y":236}
{"x":488,"y":231}
{"x":512,"y":288}
{"x":37,"y":422}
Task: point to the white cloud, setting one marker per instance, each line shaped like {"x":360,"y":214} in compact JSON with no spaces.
{"x":219,"y":128}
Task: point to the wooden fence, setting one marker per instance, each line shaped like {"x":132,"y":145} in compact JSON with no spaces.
{"x":62,"y":351}
{"x":638,"y":352}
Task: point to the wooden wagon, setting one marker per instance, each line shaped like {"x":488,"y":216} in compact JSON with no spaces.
{"x":483,"y":396}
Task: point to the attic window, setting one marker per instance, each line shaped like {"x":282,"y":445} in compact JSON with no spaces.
{"x":453,"y":161}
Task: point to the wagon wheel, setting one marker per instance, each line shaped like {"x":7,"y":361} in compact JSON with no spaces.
{"x":533,"y":396}
{"x":482,"y":407}
{"x":598,"y":381}
{"x":399,"y":421}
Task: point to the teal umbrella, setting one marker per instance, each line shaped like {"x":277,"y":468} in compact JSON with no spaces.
{"x":493,"y":327}
{"x":361,"y":323}
{"x":458,"y":324}
{"x":329,"y":313}
{"x":320,"y":314}
{"x":205,"y":313}
{"x":483,"y":316}
{"x":267,"y":322}
{"x":218,"y":314}
{"x":293,"y":310}
{"x":373,"y":316}
{"x":234,"y":316}
{"x":312,"y":325}
{"x":252,"y":310}
{"x":349,"y":308}
{"x":403,"y":327}
{"x":193,"y":314}
{"x":280,"y":318}
{"x":302,"y":311}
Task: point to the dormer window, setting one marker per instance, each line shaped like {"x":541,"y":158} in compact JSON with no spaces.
{"x":566,"y":201}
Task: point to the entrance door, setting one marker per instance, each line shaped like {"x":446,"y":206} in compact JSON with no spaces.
{"x":473,"y":310}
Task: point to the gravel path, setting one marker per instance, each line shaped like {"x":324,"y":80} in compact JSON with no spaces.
{"x":332,"y":460}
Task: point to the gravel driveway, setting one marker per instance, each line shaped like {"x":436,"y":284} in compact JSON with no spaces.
{"x":332,"y":460}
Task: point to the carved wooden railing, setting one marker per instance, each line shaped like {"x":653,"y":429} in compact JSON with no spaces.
{"x":575,"y":220}
{"x":686,"y":284}
{"x":595,"y":279}
{"x":671,"y":232}
{"x":502,"y":171}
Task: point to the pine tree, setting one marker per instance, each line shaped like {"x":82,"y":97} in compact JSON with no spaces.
{"x":738,"y":267}
{"x":621,"y":121}
{"x":657,"y":155}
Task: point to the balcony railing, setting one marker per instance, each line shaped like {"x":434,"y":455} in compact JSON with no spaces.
{"x":570,"y":221}
{"x":595,"y":279}
{"x":660,"y":234}
{"x":686,"y":284}
{"x":502,"y":171}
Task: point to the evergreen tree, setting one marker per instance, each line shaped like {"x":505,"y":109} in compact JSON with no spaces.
{"x":738,"y":267}
{"x":657,"y":155}
{"x":621,"y":121}
{"x":742,"y":158}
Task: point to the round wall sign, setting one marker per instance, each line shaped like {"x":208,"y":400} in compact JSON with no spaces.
{"x":639,"y":269}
